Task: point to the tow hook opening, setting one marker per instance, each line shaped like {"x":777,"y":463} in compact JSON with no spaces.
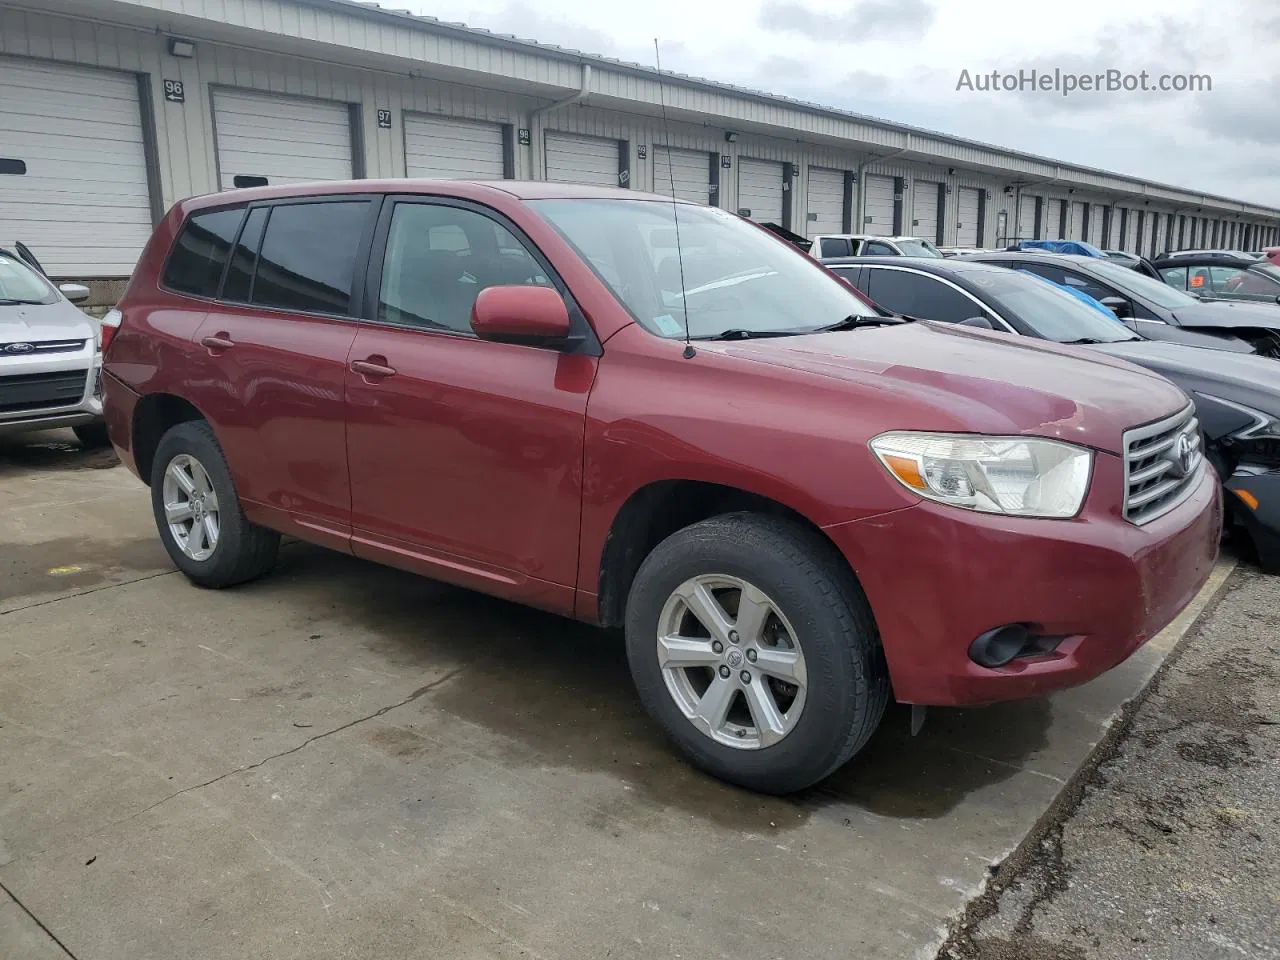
{"x":1003,"y":645}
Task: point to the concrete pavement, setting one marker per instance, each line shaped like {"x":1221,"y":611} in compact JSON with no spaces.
{"x":347,"y":761}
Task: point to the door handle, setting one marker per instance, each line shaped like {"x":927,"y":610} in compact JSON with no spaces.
{"x":219,"y":341}
{"x":375,"y":368}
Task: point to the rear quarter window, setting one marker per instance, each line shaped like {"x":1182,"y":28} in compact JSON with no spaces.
{"x":200,"y":254}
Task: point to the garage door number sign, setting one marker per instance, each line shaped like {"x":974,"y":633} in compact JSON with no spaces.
{"x":173,"y":91}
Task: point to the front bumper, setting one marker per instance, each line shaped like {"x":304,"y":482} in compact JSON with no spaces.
{"x":87,"y":408}
{"x":937,"y":577}
{"x":1255,"y":503}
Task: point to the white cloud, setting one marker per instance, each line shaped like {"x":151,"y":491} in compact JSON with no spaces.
{"x":900,"y":60}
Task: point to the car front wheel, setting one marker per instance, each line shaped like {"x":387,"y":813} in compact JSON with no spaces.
{"x":753,"y":647}
{"x":198,"y":513}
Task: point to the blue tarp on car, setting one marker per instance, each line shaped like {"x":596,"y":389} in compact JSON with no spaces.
{"x":1077,"y":247}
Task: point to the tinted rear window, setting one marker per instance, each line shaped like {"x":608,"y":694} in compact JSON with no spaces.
{"x":308,"y":256}
{"x":198,"y":258}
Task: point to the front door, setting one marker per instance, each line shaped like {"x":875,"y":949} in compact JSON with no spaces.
{"x":465,"y":455}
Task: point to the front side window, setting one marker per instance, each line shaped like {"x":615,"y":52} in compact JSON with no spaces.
{"x":835,"y":247}
{"x":875,"y":248}
{"x":440,"y":257}
{"x":308,"y":256}
{"x":1048,"y":311}
{"x":1175,"y":277}
{"x":20,"y":284}
{"x":195,"y":266}
{"x":716,"y":273}
{"x":917,"y":295}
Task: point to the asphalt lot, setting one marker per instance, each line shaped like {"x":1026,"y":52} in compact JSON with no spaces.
{"x":1169,"y":849}
{"x":347,"y":761}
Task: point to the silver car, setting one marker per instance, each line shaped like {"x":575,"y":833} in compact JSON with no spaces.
{"x":50,"y":361}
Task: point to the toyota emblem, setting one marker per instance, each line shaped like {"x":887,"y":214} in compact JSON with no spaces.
{"x":1184,"y":454}
{"x":19,"y":348}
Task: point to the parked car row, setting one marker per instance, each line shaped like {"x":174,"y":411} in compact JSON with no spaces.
{"x":653,"y":415}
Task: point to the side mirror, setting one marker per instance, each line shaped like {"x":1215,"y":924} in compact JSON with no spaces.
{"x":75,"y":292}
{"x":534,"y":316}
{"x":1117,"y":305}
{"x":982,"y":322}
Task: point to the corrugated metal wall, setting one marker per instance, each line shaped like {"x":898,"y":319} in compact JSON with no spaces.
{"x":185,"y":139}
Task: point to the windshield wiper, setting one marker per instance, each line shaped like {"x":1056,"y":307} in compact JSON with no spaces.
{"x":6,"y":302}
{"x":737,"y":333}
{"x":854,"y":321}
{"x":1094,"y":340}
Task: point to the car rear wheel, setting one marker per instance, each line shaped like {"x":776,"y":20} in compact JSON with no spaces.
{"x":753,"y":647}
{"x":198,"y":513}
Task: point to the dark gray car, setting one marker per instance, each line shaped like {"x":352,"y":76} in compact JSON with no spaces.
{"x":50,"y":363}
{"x":1152,"y":308}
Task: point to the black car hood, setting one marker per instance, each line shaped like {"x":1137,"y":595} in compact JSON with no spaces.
{"x":1230,"y":313}
{"x":1242,"y":378}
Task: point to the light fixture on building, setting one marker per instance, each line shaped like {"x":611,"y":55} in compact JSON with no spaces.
{"x":181,"y":48}
{"x":730,"y":137}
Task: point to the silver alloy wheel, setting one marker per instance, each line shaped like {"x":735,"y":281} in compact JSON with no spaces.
{"x":731,"y":661}
{"x":190,"y":507}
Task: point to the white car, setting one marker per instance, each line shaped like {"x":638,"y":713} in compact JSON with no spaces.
{"x":863,"y":245}
{"x":50,"y":361}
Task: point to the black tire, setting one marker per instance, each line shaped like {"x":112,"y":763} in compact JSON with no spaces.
{"x":848,"y":684}
{"x":244,"y":551}
{"x":92,"y":436}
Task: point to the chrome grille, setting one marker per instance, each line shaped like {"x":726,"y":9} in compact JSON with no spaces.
{"x":42,"y":347}
{"x":1161,"y":466}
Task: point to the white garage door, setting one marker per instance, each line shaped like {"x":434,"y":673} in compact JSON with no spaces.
{"x":452,"y":149}
{"x":1075,"y":229}
{"x":924,"y":210}
{"x":967,"y":217}
{"x":1051,"y":225}
{"x":575,"y":159}
{"x":284,"y":139}
{"x":1095,"y":225}
{"x":688,"y":170}
{"x":824,"y":202}
{"x":1027,"y":219}
{"x":760,"y":190}
{"x":877,"y":219}
{"x":82,"y":206}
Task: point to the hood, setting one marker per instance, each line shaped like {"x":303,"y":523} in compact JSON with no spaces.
{"x":1243,"y":378}
{"x":1229,"y":313}
{"x":36,"y":322}
{"x":945,"y":377}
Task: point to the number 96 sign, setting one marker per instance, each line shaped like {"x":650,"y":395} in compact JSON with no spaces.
{"x":173,"y":91}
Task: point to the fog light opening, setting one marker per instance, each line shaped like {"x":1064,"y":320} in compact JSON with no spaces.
{"x":1003,"y":645}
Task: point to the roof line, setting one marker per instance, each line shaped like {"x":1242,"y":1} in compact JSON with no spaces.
{"x":577,"y":56}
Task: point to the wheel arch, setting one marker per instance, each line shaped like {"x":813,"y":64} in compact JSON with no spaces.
{"x":660,"y":508}
{"x":153,"y":416}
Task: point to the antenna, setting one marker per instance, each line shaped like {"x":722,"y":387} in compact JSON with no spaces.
{"x":689,"y":352}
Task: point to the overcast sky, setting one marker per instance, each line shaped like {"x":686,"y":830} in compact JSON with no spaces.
{"x":902,"y":59}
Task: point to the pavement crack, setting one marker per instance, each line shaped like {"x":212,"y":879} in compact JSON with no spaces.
{"x":38,"y":922}
{"x":85,"y":593}
{"x":381,"y":712}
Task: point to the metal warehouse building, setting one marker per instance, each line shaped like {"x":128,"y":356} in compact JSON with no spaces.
{"x":111,"y":110}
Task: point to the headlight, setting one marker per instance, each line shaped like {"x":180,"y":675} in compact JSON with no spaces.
{"x":1259,"y":440}
{"x":1010,"y":475}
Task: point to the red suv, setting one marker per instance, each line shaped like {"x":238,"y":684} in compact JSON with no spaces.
{"x":656,"y":416}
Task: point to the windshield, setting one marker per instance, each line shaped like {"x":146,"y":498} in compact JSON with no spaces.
{"x":20,"y":282}
{"x":918,"y":248}
{"x":1137,"y":285}
{"x":1048,"y":310}
{"x":1267,"y":269}
{"x":734,"y":276}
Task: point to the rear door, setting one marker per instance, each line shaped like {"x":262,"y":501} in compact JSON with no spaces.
{"x":271,"y":355}
{"x":465,"y":454}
